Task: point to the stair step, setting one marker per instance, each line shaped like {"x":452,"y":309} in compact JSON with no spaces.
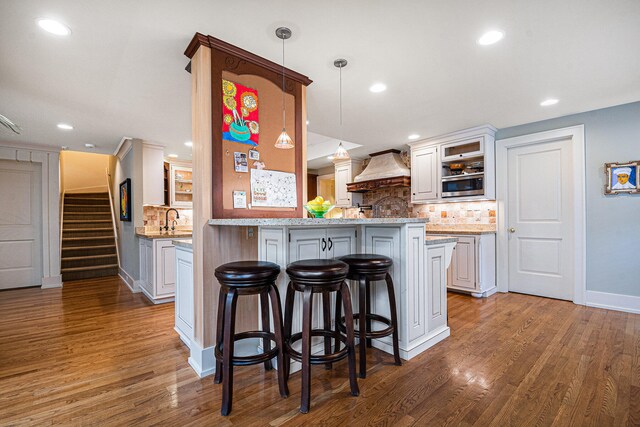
{"x":88,"y":238}
{"x":96,"y":267}
{"x":85,"y":221}
{"x":76,"y":248}
{"x":69,"y":205}
{"x":78,"y":258}
{"x":87,"y":229}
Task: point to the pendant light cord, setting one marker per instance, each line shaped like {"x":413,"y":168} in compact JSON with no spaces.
{"x":340,"y":91}
{"x":283,"y":109}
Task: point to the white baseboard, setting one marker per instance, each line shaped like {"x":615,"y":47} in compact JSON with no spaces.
{"x":130,"y":281}
{"x":432,"y":338}
{"x":202,"y":360}
{"x":627,"y":303}
{"x":51,"y":282}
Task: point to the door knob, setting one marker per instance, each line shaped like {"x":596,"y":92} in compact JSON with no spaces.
{"x":512,"y":230}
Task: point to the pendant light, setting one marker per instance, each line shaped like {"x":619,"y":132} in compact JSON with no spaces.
{"x":341,"y":153}
{"x":283,"y":141}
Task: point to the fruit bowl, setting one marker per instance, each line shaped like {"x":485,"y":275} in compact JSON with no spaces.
{"x":318,"y":211}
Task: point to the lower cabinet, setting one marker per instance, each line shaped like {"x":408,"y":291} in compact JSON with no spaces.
{"x":184,"y":316}
{"x":473,"y":265}
{"x":157,"y":269}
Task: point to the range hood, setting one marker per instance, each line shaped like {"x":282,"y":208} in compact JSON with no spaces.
{"x":385,"y":169}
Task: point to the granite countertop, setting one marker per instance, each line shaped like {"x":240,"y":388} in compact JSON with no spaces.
{"x":183,"y":243}
{"x":252,"y":222}
{"x":163,"y":235}
{"x":461,"y":229}
{"x":433,"y":240}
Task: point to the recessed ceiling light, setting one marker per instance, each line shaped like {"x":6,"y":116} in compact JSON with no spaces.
{"x":378,"y":87}
{"x":54,"y":27}
{"x":173,"y":156}
{"x":90,"y":145}
{"x":414,"y":136}
{"x":329,"y":157}
{"x":490,"y":37}
{"x":307,"y":122}
{"x":548,"y":102}
{"x":189,"y":144}
{"x":65,"y":126}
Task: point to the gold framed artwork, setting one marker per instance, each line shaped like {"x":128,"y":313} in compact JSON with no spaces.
{"x":622,"y":178}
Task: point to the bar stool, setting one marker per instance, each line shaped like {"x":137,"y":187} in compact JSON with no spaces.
{"x":318,"y":276}
{"x":366,"y":268}
{"x":238,"y":279}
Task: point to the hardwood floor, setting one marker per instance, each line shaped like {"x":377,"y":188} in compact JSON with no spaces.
{"x":96,"y":354}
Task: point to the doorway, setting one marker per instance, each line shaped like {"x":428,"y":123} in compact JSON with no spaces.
{"x":327,"y":189}
{"x":20,"y":224}
{"x":541,"y":214}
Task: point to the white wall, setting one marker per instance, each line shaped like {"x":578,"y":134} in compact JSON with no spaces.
{"x":83,"y":172}
{"x":613,"y":222}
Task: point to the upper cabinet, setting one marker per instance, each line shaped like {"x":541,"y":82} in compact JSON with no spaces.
{"x":453,"y":167}
{"x":152,"y":174}
{"x":424,"y":174}
{"x":346,"y":171}
{"x":181,"y":186}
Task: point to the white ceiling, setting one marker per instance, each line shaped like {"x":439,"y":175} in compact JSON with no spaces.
{"x":121,"y":72}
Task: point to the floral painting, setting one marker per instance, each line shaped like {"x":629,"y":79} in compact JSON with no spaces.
{"x":239,"y":114}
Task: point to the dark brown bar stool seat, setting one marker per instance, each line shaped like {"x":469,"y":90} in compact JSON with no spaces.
{"x":366,"y":268}
{"x":247,"y":278}
{"x":318,"y":276}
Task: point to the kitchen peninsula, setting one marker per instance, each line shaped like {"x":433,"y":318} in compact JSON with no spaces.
{"x":419,"y":266}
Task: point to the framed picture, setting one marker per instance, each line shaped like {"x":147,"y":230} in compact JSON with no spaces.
{"x":125,"y":200}
{"x":240,"y":161}
{"x":254,"y":155}
{"x":622,"y":177}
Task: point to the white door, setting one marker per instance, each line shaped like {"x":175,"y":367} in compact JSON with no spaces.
{"x":308,"y":244}
{"x":20,"y":224}
{"x":424,"y":174}
{"x":343,"y":177}
{"x":541,"y":246}
{"x":463,"y":264}
{"x":341,"y":242}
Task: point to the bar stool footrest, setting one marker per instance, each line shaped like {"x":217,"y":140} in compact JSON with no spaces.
{"x":318,"y":359}
{"x":369,"y":334}
{"x":254,"y":359}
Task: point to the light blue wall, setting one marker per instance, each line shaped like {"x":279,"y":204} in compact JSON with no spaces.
{"x":127,"y":239}
{"x":613,"y":222}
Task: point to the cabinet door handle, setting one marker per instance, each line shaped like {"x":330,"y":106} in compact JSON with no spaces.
{"x":330,"y":243}
{"x":324,"y":244}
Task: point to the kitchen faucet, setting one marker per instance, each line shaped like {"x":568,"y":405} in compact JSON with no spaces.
{"x":166,"y":219}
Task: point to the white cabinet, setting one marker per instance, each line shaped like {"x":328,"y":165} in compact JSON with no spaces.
{"x":184,"y":302}
{"x":152,"y":174}
{"x":157,"y":269}
{"x":345,"y":172}
{"x":180,"y":186}
{"x":321,"y":243}
{"x":453,"y":167}
{"x":424,"y":174}
{"x":473,"y":265}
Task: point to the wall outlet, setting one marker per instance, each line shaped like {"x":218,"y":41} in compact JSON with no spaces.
{"x":249,"y":233}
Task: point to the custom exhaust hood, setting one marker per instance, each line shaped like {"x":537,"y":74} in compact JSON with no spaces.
{"x":385,"y":169}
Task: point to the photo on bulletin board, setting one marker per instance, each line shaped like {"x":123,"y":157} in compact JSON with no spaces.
{"x":254,"y":155}
{"x":125,"y":200}
{"x":240,"y":161}
{"x":622,"y":178}
{"x":239,"y":114}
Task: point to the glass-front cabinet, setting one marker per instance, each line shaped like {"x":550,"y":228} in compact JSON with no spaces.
{"x":181,"y":186}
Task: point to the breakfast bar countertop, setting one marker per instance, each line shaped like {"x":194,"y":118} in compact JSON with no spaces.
{"x":292,"y":222}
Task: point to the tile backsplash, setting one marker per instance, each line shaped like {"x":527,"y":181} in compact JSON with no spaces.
{"x":154,"y":216}
{"x":396,"y":202}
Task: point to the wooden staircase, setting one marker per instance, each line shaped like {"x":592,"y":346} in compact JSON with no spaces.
{"x":88,"y":240}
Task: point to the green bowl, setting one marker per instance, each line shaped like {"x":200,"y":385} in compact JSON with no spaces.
{"x":319,"y":213}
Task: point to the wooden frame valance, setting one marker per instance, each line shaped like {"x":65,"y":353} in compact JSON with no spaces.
{"x":228,"y":58}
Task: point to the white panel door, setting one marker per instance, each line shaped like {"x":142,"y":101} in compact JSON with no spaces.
{"x":20,"y":224}
{"x":540,"y":205}
{"x":424,"y":174}
{"x":342,"y":178}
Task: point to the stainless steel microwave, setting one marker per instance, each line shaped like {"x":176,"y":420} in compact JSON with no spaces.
{"x":463,"y":185}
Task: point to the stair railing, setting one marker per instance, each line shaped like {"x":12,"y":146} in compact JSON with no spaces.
{"x":113,"y":215}
{"x":61,"y":223}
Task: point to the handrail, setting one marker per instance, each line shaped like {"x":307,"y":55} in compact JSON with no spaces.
{"x":113,"y":216}
{"x":61,"y":212}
